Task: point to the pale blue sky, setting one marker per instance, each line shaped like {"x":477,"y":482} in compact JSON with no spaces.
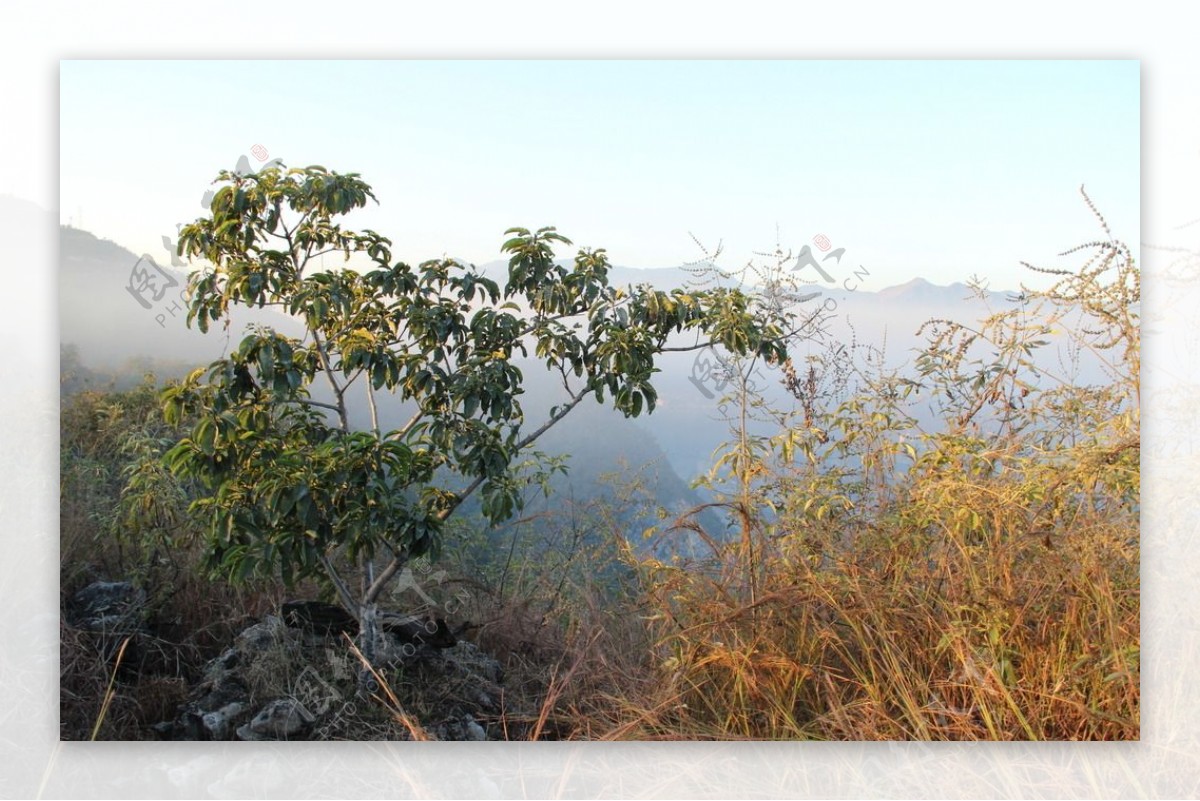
{"x":938,"y":169}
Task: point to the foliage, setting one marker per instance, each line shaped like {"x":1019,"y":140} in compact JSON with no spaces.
{"x":974,"y":580}
{"x":124,"y":517}
{"x":114,"y":488}
{"x":290,"y":486}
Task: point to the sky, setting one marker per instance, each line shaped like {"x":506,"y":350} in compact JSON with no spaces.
{"x":933,"y":169}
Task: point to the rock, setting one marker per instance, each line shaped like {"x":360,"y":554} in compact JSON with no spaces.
{"x":269,"y":686}
{"x":220,"y":723}
{"x":462,"y":729}
{"x":164,"y":730}
{"x":282,"y":719}
{"x":226,"y":662}
{"x":265,"y":636}
{"x":418,"y":630}
{"x":114,"y":615}
{"x":465,"y":657}
{"x":474,"y":731}
{"x":221,"y":702}
{"x":317,"y":617}
{"x":216,"y":707}
{"x":315,"y":693}
{"x":109,"y":606}
{"x":465,"y":682}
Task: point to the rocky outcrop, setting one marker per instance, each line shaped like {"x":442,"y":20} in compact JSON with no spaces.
{"x":281,"y":719}
{"x":319,"y":618}
{"x":327,"y":620}
{"x":224,"y":698}
{"x":110,"y":606}
{"x":113,"y":619}
{"x":294,"y":676}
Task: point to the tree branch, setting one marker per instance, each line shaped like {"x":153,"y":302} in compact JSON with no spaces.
{"x":393,"y":567}
{"x":575,"y":400}
{"x":322,"y":404}
{"x":338,"y":391}
{"x":342,"y":590}
{"x":374,"y":411}
{"x":402,"y":432}
{"x":525,"y":442}
{"x":685,"y":349}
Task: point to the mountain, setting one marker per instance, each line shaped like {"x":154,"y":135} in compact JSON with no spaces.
{"x":102,"y":317}
{"x":115,"y":306}
{"x":918,"y":290}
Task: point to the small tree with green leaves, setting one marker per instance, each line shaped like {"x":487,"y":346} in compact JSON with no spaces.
{"x":289,"y":485}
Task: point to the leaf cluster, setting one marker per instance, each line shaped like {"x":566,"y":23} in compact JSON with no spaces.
{"x":290,"y":481}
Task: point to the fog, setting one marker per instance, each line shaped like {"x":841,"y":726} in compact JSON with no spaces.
{"x":108,"y":327}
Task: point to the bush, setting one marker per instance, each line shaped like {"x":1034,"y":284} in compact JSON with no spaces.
{"x":978,"y":581}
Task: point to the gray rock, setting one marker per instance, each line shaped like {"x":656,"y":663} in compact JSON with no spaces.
{"x":219,"y":723}
{"x":112,"y":606}
{"x":465,"y":657}
{"x":461,"y":729}
{"x":473,"y":730}
{"x":281,"y":719}
{"x":264,"y":636}
{"x":220,"y":704}
{"x":313,"y":687}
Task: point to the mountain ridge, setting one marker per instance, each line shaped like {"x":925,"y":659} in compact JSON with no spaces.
{"x":99,"y":315}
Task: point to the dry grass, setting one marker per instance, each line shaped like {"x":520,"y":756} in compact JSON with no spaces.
{"x":102,"y":696}
{"x":188,"y":618}
{"x":898,"y":634}
{"x":982,"y":585}
{"x":936,"y":614}
{"x":388,"y":697}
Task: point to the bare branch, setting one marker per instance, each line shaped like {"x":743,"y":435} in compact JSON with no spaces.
{"x":322,"y":404}
{"x":374,"y":411}
{"x":399,"y":560}
{"x":339,"y":584}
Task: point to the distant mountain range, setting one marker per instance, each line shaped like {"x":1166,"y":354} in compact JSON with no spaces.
{"x":115,"y":305}
{"x":110,"y":312}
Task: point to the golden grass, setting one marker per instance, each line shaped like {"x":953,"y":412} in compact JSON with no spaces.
{"x":937,"y":616}
{"x":109,"y":691}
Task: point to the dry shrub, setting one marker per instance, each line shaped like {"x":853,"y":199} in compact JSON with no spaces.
{"x":903,"y":632}
{"x":979,"y":582}
{"x":88,"y":662}
{"x":188,"y":617}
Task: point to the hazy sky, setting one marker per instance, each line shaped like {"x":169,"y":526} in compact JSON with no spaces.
{"x":937,"y":169}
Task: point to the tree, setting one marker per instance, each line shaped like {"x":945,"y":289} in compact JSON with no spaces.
{"x":289,"y":485}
